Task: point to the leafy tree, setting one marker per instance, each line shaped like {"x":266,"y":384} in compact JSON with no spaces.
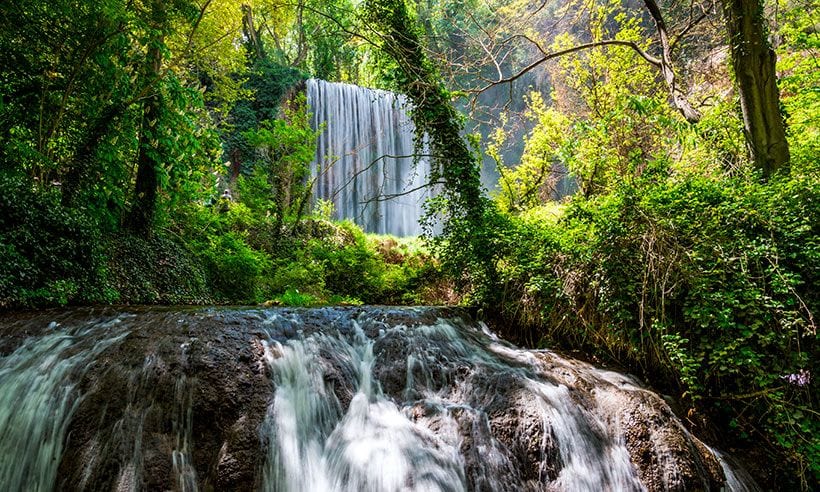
{"x":798,"y":43}
{"x":468,"y":229}
{"x":753,"y":63}
{"x":285,"y":149}
{"x":532,"y":182}
{"x":266,"y":86}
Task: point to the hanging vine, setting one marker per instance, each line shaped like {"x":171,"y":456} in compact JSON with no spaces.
{"x":468,"y":244}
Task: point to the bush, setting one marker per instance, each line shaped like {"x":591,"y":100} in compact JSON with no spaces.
{"x":159,"y":270}
{"x":50,"y":253}
{"x":351,"y":268}
{"x":705,"y":284}
{"x":300,"y":272}
{"x":235,"y":270}
{"x":294,"y":298}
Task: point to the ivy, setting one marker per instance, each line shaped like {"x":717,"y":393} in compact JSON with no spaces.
{"x":468,"y":242}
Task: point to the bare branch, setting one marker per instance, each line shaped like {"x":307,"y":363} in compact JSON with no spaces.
{"x":370,"y":166}
{"x":678,"y":100}
{"x":391,"y":196}
{"x":556,"y":54}
{"x":195,"y":27}
{"x":693,"y":22}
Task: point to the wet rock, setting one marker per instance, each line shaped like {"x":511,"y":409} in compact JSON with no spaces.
{"x":187,"y":394}
{"x":135,"y":414}
{"x":666,"y":456}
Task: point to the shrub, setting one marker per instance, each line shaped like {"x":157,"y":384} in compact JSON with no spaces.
{"x":704,"y":284}
{"x":50,"y":253}
{"x":156,"y":270}
{"x":235,"y":270}
{"x":294,"y":298}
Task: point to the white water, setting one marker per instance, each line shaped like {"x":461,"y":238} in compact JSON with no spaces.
{"x":314,"y":445}
{"x":378,"y":444}
{"x":357,"y":404}
{"x":181,"y":455}
{"x":364,"y":162}
{"x":737,"y":479}
{"x":38,"y":396}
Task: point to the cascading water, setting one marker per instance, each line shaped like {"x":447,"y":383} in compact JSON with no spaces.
{"x":314,"y":444}
{"x":364,"y":157}
{"x":38,"y":398}
{"x":332,"y":399}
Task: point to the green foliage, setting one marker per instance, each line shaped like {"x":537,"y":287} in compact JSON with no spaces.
{"x":267,"y":85}
{"x":705,"y":282}
{"x":80,"y":75}
{"x":800,"y":81}
{"x":467,"y":239}
{"x":294,"y":298}
{"x":285,"y":149}
{"x":313,"y":36}
{"x":352,"y":268}
{"x":234,"y":268}
{"x":50,"y":254}
{"x":299,"y":272}
{"x":323,"y":262}
{"x":158,"y":270}
{"x":532,"y":181}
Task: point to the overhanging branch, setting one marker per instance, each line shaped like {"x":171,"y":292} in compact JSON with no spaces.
{"x":556,"y":54}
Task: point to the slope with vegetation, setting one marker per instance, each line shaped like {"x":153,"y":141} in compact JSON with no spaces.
{"x":148,"y":158}
{"x":690,"y":250}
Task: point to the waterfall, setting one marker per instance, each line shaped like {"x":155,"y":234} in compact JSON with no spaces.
{"x":331,"y":399}
{"x":38,"y":397}
{"x":314,"y":444}
{"x":364,"y":162}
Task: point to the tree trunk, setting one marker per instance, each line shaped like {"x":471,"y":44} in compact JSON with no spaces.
{"x":76,"y":177}
{"x":301,"y":45}
{"x":473,"y":238}
{"x":141,"y":217}
{"x":754,"y":61}
{"x":250,"y":32}
{"x":679,"y":101}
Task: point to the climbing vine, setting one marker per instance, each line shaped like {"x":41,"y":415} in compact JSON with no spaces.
{"x":468,"y":242}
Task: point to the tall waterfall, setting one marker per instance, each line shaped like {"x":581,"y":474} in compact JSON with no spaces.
{"x":364,"y":162}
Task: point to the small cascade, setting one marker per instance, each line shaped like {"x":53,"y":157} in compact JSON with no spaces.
{"x":364,"y":157}
{"x":379,"y":444}
{"x":737,"y":478}
{"x":181,"y":458}
{"x":372,"y":446}
{"x":38,"y":397}
{"x":330,"y":399}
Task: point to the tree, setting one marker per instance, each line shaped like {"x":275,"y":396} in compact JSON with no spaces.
{"x":471,"y":250}
{"x":168,"y":103}
{"x":754,"y":61}
{"x":149,"y":158}
{"x":280,"y":183}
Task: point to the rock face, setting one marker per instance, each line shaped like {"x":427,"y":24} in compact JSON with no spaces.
{"x":379,"y":399}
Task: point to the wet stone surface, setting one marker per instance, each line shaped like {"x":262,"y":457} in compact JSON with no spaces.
{"x":359,"y":398}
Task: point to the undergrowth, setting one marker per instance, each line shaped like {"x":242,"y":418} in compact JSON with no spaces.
{"x":56,"y":256}
{"x":705,"y":284}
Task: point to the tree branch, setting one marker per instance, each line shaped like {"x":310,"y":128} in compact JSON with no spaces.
{"x":556,"y":54}
{"x":678,"y":100}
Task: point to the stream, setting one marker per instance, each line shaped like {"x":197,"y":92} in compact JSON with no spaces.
{"x":324,"y":399}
